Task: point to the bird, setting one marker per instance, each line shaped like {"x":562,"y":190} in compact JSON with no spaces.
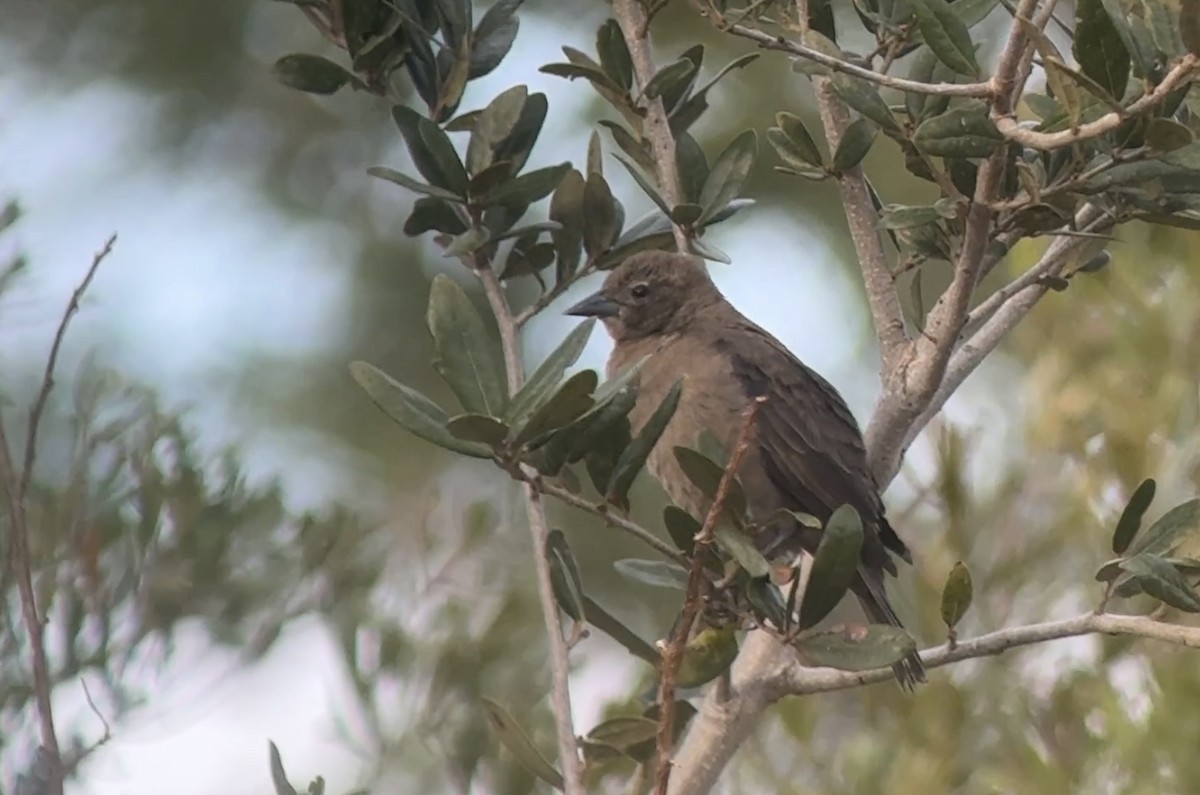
{"x":806,"y":452}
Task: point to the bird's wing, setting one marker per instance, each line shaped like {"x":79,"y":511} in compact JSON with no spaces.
{"x":810,"y":444}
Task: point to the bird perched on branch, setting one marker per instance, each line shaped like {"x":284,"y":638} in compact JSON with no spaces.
{"x":807,"y":452}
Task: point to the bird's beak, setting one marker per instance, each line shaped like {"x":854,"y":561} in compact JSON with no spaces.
{"x":597,"y":305}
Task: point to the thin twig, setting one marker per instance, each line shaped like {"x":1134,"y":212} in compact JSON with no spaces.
{"x":77,"y":757}
{"x":803,"y":681}
{"x":549,"y":296}
{"x":613,"y":519}
{"x":768,"y":42}
{"x":539,"y":529}
{"x":673,"y":653}
{"x":1179,"y":74}
{"x":16,"y":486}
{"x":631,"y":16}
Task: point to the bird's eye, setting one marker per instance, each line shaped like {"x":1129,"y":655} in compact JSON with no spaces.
{"x":640,"y":290}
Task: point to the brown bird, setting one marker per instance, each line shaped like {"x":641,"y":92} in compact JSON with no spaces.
{"x":807,"y":452}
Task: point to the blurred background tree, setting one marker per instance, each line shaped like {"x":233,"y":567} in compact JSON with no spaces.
{"x":211,"y":478}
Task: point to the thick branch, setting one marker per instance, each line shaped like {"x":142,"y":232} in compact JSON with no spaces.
{"x":1180,"y":74}
{"x":631,"y":16}
{"x":863,"y":222}
{"x":539,"y":529}
{"x":16,"y":487}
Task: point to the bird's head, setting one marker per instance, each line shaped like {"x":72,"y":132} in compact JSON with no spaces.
{"x":651,"y":292}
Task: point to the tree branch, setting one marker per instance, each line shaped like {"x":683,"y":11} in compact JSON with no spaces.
{"x":863,"y":222}
{"x":673,"y":654}
{"x":631,"y":16}
{"x":560,"y":697}
{"x":1179,"y":74}
{"x":803,"y":681}
{"x":768,"y":42}
{"x":613,"y":519}
{"x":16,"y":487}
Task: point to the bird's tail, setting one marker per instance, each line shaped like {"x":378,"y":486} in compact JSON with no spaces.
{"x":868,"y":587}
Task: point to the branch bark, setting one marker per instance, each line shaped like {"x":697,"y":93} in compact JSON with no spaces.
{"x":631,"y":17}
{"x":16,"y":486}
{"x":539,"y":529}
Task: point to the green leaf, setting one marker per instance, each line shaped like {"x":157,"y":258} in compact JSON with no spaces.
{"x":495,"y":123}
{"x":623,"y":732}
{"x":600,"y":223}
{"x":430,"y":213}
{"x":593,"y":74}
{"x":706,"y":475}
{"x":895,"y":216}
{"x":478,"y":428}
{"x":602,"y":620}
{"x":864,"y":98}
{"x":311,"y":73}
{"x":635,"y":455}
{"x":834,"y":565}
{"x":707,"y":655}
{"x":1131,"y":518}
{"x":964,"y":131}
{"x":766,"y":600}
{"x":693,"y":167}
{"x":1160,"y":579}
{"x":468,"y":242}
{"x":1166,"y":135}
{"x":956,"y":595}
{"x":278,"y":776}
{"x":856,"y":648}
{"x":530,"y":187}
{"x":519,"y":143}
{"x":855,"y":144}
{"x":540,"y":385}
{"x":514,"y":738}
{"x":568,"y":404}
{"x":801,"y":143}
{"x":1172,"y":529}
{"x":685,"y":114}
{"x":405,"y":181}
{"x":666,"y":77}
{"x":494,"y":37}
{"x":741,"y":548}
{"x":682,"y":527}
{"x":411,"y":410}
{"x":656,"y":573}
{"x":1128,"y":19}
{"x":602,"y":455}
{"x":468,"y":355}
{"x":1189,"y":27}
{"x":1098,"y":48}
{"x":635,"y":149}
{"x":645,"y":184}
{"x":614,"y":54}
{"x":946,"y":34}
{"x":728,"y":174}
{"x":686,"y":214}
{"x":566,"y":208}
{"x":926,"y":68}
{"x":431,"y":150}
{"x":564,"y":575}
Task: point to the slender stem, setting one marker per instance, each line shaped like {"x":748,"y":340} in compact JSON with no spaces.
{"x":539,"y":529}
{"x":615,"y":520}
{"x":16,"y":487}
{"x":631,"y":16}
{"x":768,"y":42}
{"x":802,"y":681}
{"x":673,"y":653}
{"x":1179,"y":74}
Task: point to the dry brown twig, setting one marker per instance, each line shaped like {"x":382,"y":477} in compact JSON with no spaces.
{"x":673,"y":653}
{"x":16,"y":486}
